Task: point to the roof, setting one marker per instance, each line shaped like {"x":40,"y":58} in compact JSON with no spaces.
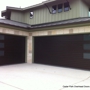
{"x":63,"y":22}
{"x":59,"y":23}
{"x":14,"y":23}
{"x":26,"y":8}
{"x":29,"y":7}
{"x":36,"y":5}
{"x":9,"y":9}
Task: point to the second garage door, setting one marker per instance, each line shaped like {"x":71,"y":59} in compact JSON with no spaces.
{"x":67,"y":50}
{"x":12,"y":49}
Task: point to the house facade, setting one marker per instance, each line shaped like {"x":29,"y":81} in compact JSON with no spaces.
{"x":54,"y":32}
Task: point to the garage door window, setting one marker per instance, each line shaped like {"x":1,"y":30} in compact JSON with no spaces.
{"x":86,"y":37}
{"x":86,"y":55}
{"x":86,"y":46}
{"x":1,"y":53}
{"x":1,"y":37}
{"x":1,"y":45}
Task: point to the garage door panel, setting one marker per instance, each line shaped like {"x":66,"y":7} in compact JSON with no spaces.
{"x":13,"y":49}
{"x":65,"y":50}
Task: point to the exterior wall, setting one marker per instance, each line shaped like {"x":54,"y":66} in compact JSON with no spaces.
{"x":65,"y":31}
{"x":17,"y":16}
{"x":29,"y":36}
{"x":42,"y":15}
{"x":19,"y":33}
{"x":84,"y":9}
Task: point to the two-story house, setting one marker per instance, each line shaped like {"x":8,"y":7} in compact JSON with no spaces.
{"x":54,"y":32}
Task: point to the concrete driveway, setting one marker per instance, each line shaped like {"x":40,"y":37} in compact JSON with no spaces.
{"x":42,"y":77}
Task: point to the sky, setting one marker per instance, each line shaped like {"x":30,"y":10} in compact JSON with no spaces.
{"x":17,"y":3}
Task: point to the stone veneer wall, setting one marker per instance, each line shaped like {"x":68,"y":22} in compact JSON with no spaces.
{"x":74,"y":30}
{"x":30,"y":35}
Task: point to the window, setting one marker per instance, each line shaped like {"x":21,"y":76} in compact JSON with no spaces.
{"x":86,"y":46}
{"x":86,"y":55}
{"x":60,"y":8}
{"x":31,"y":14}
{"x":66,"y":6}
{"x":1,"y":53}
{"x":54,"y":9}
{"x":1,"y":45}
{"x":1,"y":37}
{"x":89,"y":12}
{"x":86,"y":38}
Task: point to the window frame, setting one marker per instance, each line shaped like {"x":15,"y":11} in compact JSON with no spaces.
{"x":31,"y":14}
{"x":54,"y":9}
{"x":89,"y":12}
{"x":60,"y":7}
{"x":2,"y":53}
{"x":66,"y":6}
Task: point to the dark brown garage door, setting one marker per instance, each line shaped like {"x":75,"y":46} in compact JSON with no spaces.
{"x":12,"y":49}
{"x":69,"y":50}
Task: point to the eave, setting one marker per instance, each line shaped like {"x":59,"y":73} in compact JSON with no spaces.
{"x":45,"y":25}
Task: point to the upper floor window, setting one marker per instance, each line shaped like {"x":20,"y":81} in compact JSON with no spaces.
{"x":66,"y":6}
{"x":89,"y":12}
{"x":60,"y":6}
{"x":31,"y":14}
{"x":54,"y":9}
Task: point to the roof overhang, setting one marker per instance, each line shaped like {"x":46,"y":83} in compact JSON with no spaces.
{"x":61,"y":23}
{"x":48,"y":1}
{"x":14,"y":23}
{"x":33,"y":6}
{"x":87,"y":2}
{"x":9,"y":9}
{"x":45,"y":25}
{"x":3,"y":13}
